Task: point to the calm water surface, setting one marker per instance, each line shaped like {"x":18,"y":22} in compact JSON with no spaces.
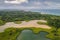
{"x":29,"y":35}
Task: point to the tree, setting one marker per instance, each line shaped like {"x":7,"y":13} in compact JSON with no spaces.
{"x":2,"y":22}
{"x":54,"y":22}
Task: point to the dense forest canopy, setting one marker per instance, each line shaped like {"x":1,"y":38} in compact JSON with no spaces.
{"x":18,"y":15}
{"x":23,"y":15}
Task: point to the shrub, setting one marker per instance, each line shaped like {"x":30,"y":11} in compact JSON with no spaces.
{"x":2,"y":22}
{"x":18,"y":22}
{"x":41,"y":23}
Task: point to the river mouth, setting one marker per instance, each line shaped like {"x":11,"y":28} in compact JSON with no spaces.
{"x":29,"y":35}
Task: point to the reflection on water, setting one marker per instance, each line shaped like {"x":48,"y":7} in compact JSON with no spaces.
{"x":29,"y":35}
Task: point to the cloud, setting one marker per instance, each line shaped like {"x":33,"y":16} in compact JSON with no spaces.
{"x":30,"y":4}
{"x":52,"y":5}
{"x":16,"y":1}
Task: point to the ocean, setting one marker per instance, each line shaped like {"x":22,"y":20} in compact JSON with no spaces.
{"x":49,"y":11}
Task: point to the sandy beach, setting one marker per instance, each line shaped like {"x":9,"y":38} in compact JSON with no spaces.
{"x":24,"y":24}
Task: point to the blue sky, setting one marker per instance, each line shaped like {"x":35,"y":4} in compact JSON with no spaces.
{"x":29,"y":4}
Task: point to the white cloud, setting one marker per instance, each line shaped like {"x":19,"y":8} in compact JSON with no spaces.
{"x":16,"y":1}
{"x":52,"y":5}
{"x":32,"y":5}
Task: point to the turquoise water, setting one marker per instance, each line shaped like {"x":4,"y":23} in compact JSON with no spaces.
{"x":29,"y":35}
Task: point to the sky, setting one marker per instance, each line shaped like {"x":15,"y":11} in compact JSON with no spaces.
{"x":29,"y":4}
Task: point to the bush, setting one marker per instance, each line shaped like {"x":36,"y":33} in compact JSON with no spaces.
{"x":2,"y":22}
{"x":41,"y":23}
{"x":17,"y":22}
